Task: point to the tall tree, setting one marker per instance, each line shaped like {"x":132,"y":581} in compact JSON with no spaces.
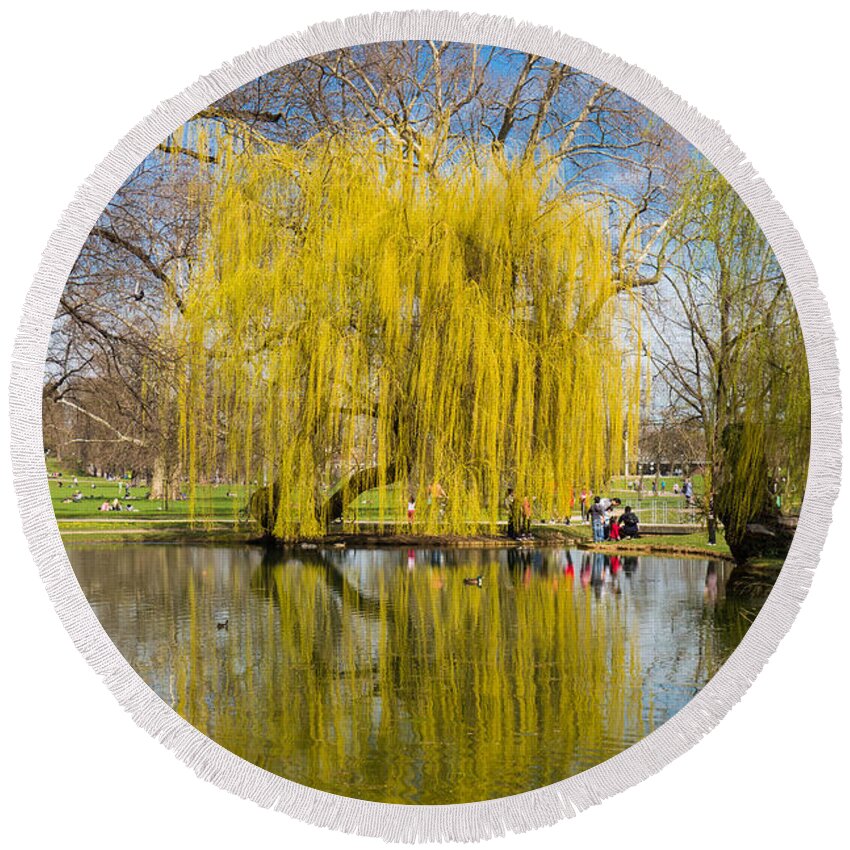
{"x":432,"y":102}
{"x":731,"y":354}
{"x":357,"y":321}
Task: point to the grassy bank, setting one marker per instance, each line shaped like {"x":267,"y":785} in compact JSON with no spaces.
{"x":220,"y":519}
{"x":117,"y":527}
{"x":674,"y":544}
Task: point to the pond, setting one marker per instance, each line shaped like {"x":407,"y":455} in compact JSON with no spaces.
{"x":381,"y":674}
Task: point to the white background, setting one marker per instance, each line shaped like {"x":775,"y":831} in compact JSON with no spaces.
{"x":77,"y":771}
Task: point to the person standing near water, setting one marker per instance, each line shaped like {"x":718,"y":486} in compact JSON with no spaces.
{"x":437,"y":496}
{"x":526,"y":517}
{"x":583,"y":503}
{"x":608,"y":506}
{"x":597,"y":520}
{"x":510,"y":508}
{"x":411,"y":510}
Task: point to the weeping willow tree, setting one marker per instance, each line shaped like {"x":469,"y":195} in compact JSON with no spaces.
{"x":356,"y":323}
{"x":736,"y":363}
{"x":766,"y":446}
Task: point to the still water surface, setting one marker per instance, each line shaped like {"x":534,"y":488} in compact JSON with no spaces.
{"x":379,"y":674}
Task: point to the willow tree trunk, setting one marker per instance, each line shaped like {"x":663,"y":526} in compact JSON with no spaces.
{"x":265,"y":502}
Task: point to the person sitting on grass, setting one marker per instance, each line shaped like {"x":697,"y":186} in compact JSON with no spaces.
{"x":629,"y":523}
{"x":105,"y":507}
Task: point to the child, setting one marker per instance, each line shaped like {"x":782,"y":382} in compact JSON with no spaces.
{"x":411,"y":509}
{"x":614,"y":530}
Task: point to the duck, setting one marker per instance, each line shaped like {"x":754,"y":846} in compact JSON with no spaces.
{"x":474,"y":582}
{"x":224,"y":624}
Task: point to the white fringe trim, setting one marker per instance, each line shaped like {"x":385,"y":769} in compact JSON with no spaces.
{"x":393,"y":822}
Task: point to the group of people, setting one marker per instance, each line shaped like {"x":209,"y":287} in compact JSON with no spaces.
{"x":686,"y":489}
{"x":115,"y":505}
{"x":606,"y":525}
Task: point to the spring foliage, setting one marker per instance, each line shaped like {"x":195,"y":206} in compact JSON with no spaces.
{"x":755,"y":399}
{"x":354,"y":322}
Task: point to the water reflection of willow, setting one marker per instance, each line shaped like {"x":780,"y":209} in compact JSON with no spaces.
{"x":406,"y":692}
{"x":379,"y":674}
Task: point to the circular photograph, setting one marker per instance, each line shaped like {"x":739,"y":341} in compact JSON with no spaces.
{"x":426,"y":422}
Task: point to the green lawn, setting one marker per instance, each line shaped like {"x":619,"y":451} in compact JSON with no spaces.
{"x":219,"y":515}
{"x":212,"y":502}
{"x":695,"y":541}
{"x":619,"y":483}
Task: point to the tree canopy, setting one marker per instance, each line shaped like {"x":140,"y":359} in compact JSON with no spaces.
{"x":356,"y":321}
{"x":421,"y":263}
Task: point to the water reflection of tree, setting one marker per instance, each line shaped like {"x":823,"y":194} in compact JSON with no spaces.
{"x":353,"y":673}
{"x":723,"y":624}
{"x":426,"y":691}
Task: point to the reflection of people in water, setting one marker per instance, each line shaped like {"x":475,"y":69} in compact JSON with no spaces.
{"x":584,"y":575}
{"x":630,"y":564}
{"x":569,"y":568}
{"x":710,"y":592}
{"x":438,"y":558}
{"x":597,"y":574}
{"x":411,"y":559}
{"x":614,"y":576}
{"x":519,"y":558}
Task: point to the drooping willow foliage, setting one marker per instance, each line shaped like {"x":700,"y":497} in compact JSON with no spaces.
{"x":766,"y":447}
{"x":749,"y":376}
{"x":354,"y":322}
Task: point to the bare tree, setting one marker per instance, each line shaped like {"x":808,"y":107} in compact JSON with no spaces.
{"x":430,"y":100}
